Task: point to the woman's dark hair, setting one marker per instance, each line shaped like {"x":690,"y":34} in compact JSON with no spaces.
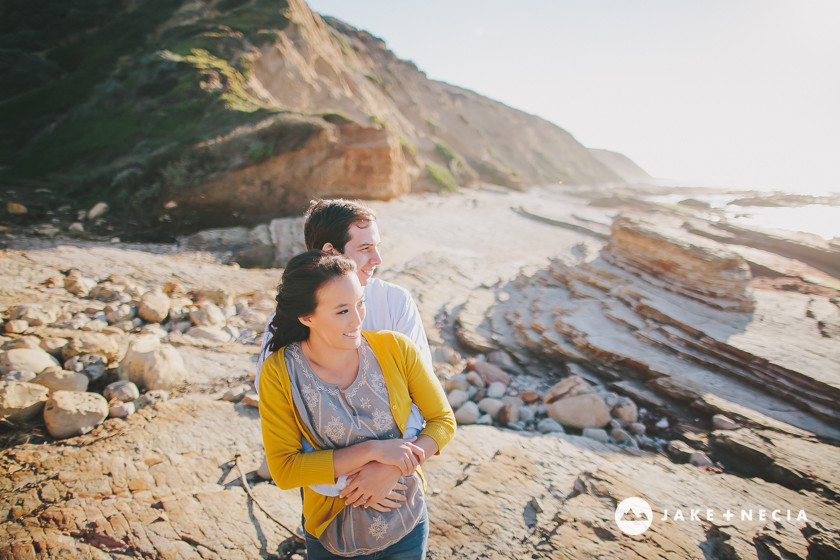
{"x":296,"y":295}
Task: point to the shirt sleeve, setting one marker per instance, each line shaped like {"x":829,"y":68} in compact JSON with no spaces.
{"x":290,"y":467}
{"x":263,"y":352}
{"x":408,"y":322}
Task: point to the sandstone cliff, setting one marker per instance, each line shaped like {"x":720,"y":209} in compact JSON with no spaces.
{"x":193,"y":115}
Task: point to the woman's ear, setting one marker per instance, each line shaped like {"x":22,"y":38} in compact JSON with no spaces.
{"x":306,"y":321}
{"x":329,"y":249}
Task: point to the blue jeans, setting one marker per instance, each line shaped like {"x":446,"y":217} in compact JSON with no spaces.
{"x":410,"y":547}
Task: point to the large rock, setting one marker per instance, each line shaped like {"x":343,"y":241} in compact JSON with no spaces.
{"x":21,"y":401}
{"x":688,"y":264}
{"x":153,"y":307}
{"x":581,"y":411}
{"x":71,"y":413}
{"x":57,"y":379}
{"x":92,"y":343}
{"x":26,"y":359}
{"x":152,"y":365}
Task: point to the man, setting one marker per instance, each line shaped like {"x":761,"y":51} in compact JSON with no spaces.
{"x":348,"y":228}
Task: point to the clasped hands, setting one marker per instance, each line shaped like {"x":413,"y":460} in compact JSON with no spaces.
{"x":376,"y":485}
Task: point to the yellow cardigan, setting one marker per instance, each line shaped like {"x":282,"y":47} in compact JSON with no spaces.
{"x":407,"y":380}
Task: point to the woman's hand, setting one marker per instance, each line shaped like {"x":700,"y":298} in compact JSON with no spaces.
{"x":401,"y":453}
{"x":373,"y":483}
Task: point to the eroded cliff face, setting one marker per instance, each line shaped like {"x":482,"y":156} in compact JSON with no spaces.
{"x":224,"y":113}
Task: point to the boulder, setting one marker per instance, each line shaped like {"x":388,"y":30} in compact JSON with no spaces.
{"x":153,"y":307}
{"x":92,"y":343}
{"x":122,"y":390}
{"x":71,"y":413}
{"x":567,"y":387}
{"x":580,"y":411}
{"x":20,"y":401}
{"x":57,"y":379}
{"x":152,"y":365}
{"x":26,"y":359}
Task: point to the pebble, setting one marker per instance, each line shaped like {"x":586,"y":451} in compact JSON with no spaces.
{"x":468,"y":413}
{"x":496,"y":390}
{"x":457,"y":398}
{"x":549,"y":425}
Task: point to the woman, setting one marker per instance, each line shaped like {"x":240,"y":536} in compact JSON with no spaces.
{"x":348,"y":394}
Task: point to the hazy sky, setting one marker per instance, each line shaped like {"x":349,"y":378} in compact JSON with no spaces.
{"x":735,"y":92}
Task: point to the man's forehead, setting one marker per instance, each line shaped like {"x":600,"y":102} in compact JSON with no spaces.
{"x":364,"y":232}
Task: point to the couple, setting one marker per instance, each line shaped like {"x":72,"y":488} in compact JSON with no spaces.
{"x":341,"y":403}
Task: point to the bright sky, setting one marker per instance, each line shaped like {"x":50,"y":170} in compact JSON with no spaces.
{"x":735,"y":92}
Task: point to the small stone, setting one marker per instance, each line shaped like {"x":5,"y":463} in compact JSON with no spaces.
{"x":96,"y":325}
{"x":153,"y":397}
{"x":122,"y":409}
{"x":484,"y":420}
{"x":116,"y":313}
{"x":529,"y":397}
{"x":491,"y":406}
{"x":24,"y":376}
{"x":699,"y":459}
{"x":549,"y":425}
{"x":76,"y":227}
{"x":208,"y":314}
{"x":92,"y":343}
{"x":496,"y":390}
{"x":475,"y":379}
{"x":625,"y":410}
{"x":568,"y":387}
{"x":517,"y":425}
{"x":209,"y":334}
{"x":20,"y":401}
{"x":153,"y":307}
{"x":23,"y":342}
{"x":637,"y":428}
{"x":98,"y":210}
{"x":26,"y":359}
{"x":57,"y":379}
{"x":468,"y":413}
{"x":598,"y":434}
{"x":251,"y":398}
{"x":508,"y":413}
{"x":235,"y":394}
{"x":16,"y":326}
{"x":53,"y":346}
{"x":679,"y":451}
{"x":16,"y":208}
{"x":526,"y":415}
{"x":122,"y":390}
{"x":501,"y":359}
{"x":721,"y":422}
{"x":152,"y":365}
{"x":457,"y":398}
{"x":663,"y":424}
{"x":490,"y":372}
{"x":445,"y":355}
{"x":621,"y":436}
{"x":457,"y":381}
{"x":92,"y":365}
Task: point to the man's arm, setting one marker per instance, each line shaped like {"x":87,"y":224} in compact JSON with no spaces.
{"x":409,"y":323}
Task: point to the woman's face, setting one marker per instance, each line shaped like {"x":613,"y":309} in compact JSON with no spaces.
{"x":337,"y":319}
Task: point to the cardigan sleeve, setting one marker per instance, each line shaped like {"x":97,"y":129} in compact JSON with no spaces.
{"x":426,"y":392}
{"x":290,"y":467}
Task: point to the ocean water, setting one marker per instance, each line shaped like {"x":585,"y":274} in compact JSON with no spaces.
{"x":818,"y":219}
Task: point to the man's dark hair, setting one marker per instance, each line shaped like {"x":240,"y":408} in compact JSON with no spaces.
{"x":329,"y":221}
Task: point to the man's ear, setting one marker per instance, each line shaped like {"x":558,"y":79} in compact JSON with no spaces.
{"x":329,"y":249}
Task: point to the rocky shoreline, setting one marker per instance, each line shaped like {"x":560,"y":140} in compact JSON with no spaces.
{"x":594,"y":348}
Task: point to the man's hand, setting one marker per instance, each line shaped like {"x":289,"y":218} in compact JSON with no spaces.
{"x":373,"y":483}
{"x":401,"y":453}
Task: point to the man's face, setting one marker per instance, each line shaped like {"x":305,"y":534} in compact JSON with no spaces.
{"x":363,"y":248}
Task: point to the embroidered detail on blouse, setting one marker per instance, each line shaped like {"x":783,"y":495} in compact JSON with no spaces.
{"x":381,"y":419}
{"x":335,"y":429}
{"x":364,"y":402}
{"x":378,"y":528}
